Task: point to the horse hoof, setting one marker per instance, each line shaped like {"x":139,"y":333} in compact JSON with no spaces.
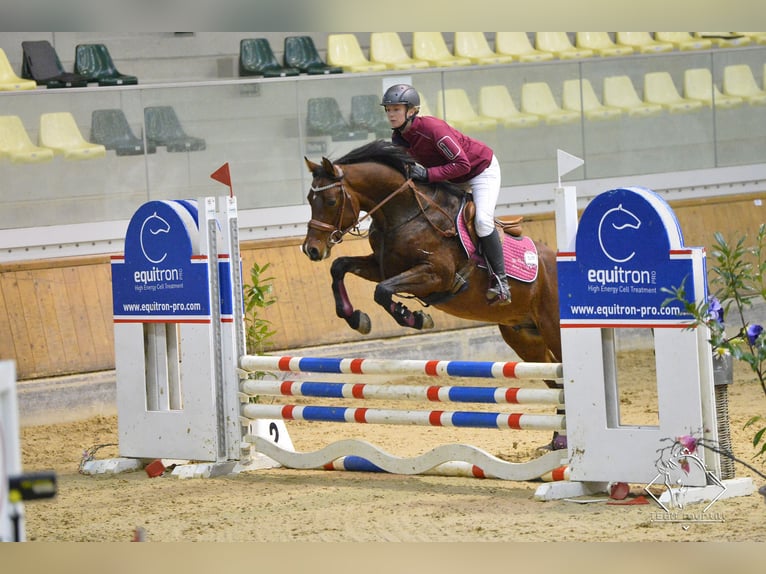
{"x":559,"y":442}
{"x":426,"y":322}
{"x":363,"y":323}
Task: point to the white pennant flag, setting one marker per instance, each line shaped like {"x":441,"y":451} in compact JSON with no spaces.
{"x":567,"y":162}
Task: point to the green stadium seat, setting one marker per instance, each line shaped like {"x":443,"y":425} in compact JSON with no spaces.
{"x":164,"y":129}
{"x":324,"y":118}
{"x":93,"y":61}
{"x":256,"y":58}
{"x":301,"y":53}
{"x":367,"y":114}
{"x":110,"y":128}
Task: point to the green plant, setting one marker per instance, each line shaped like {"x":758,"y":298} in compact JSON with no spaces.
{"x":258,"y":295}
{"x":738,"y":275}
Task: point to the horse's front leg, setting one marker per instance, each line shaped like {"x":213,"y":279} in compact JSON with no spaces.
{"x":366,"y":268}
{"x":420,"y":281}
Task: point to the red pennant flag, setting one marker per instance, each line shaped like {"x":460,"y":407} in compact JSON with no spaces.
{"x":222,"y":174}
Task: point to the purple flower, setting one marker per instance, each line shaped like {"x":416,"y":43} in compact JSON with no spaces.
{"x":688,"y":442}
{"x":715,"y":309}
{"x":752,"y":333}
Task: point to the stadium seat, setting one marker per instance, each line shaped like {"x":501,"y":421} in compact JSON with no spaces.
{"x":619,"y":92}
{"x":59,"y":132}
{"x":343,"y":50}
{"x":110,"y":128}
{"x":725,"y":39}
{"x":301,"y":53}
{"x":537,"y":98}
{"x":367,"y":115}
{"x":601,"y":44}
{"x":683,"y":40}
{"x":324,"y":118}
{"x":517,"y":44}
{"x":580,"y":97}
{"x":738,"y":80}
{"x":9,"y":81}
{"x":454,"y":107}
{"x":41,"y":64}
{"x":164,"y":129}
{"x":16,"y":145}
{"x":755,"y":37}
{"x":93,"y":62}
{"x":496,"y":102}
{"x":425,"y":109}
{"x":474,"y":46}
{"x":659,"y":88}
{"x":387,"y":48}
{"x":256,"y":58}
{"x":698,"y":85}
{"x":642,"y":42}
{"x":431,"y":47}
{"x":558,"y":44}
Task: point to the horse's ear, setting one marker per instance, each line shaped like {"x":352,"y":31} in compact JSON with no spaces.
{"x":310,"y":164}
{"x":328,"y":165}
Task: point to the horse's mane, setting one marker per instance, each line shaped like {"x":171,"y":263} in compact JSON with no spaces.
{"x":380,"y":151}
{"x":392,"y":155}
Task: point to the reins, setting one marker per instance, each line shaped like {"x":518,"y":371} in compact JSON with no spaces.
{"x":337,"y":233}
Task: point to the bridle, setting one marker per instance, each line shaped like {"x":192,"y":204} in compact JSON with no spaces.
{"x":337,"y":232}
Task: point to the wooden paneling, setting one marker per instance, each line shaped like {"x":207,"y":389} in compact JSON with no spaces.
{"x":56,"y":315}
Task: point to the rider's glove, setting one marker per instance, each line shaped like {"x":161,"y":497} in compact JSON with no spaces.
{"x":418,"y":172}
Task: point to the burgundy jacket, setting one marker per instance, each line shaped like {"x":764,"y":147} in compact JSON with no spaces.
{"x":444,"y":151}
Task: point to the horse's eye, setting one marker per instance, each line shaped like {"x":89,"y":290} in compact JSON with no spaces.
{"x":331,"y":202}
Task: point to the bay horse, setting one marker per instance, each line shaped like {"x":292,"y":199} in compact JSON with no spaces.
{"x":416,"y":251}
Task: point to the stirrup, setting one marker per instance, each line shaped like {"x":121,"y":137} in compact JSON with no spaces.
{"x":499,"y":293}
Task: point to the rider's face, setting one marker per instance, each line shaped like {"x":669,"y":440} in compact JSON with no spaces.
{"x":396,"y":114}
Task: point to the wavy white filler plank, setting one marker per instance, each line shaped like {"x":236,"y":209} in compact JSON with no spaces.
{"x":490,"y":465}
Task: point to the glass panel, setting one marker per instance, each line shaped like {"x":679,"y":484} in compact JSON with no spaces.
{"x":264,"y":128}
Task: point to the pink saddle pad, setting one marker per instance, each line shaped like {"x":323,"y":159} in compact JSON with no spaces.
{"x":520,"y":253}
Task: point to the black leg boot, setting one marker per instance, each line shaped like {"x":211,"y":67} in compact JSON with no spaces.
{"x":498,"y":291}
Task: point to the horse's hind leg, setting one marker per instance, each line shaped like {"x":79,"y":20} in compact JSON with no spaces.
{"x":530,"y":346}
{"x":418,"y":281}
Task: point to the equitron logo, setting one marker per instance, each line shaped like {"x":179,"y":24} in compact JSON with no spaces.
{"x":154,"y":231}
{"x":615,"y":234}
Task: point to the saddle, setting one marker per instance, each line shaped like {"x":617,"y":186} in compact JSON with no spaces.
{"x":505,"y":224}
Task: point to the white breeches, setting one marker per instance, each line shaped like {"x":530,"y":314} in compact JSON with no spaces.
{"x":486,"y":188}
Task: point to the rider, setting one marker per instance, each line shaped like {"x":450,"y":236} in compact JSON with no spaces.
{"x":443,"y":153}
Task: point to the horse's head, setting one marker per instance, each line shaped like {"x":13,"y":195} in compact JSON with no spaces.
{"x":334,"y":210}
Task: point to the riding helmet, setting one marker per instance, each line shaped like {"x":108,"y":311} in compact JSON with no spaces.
{"x":401,"y":94}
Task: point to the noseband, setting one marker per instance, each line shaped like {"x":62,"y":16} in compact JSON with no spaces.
{"x":336,"y":232}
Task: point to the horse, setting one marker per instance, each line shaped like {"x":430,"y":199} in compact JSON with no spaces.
{"x":416,"y":252}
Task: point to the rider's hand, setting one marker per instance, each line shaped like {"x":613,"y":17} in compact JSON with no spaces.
{"x":418,"y":172}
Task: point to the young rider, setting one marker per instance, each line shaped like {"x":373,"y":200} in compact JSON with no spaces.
{"x":443,"y":153}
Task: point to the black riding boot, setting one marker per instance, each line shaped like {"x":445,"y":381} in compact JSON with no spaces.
{"x":499,"y":290}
